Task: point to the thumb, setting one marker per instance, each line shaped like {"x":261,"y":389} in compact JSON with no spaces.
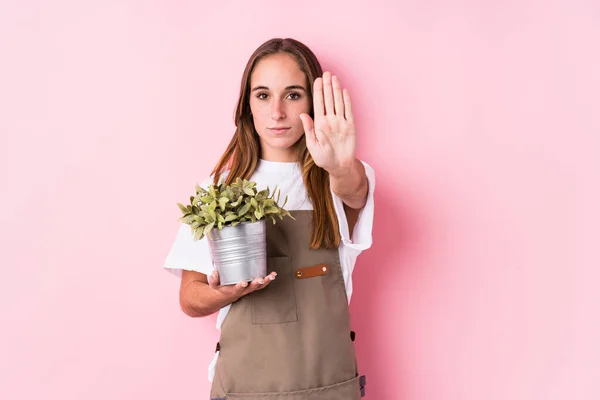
{"x":213,"y":280}
{"x":309,"y":129}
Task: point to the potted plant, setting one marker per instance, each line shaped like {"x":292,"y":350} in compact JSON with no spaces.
{"x":233,"y":218}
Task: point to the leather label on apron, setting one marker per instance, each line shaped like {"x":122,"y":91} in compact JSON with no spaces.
{"x":309,"y":272}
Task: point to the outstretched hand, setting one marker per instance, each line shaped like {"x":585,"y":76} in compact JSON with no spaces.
{"x":331,"y":137}
{"x":240,"y":289}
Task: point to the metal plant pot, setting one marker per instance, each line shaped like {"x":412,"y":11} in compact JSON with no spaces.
{"x":239,"y":252}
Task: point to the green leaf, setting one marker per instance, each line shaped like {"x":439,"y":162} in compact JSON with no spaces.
{"x":188,"y":218}
{"x":258,"y":214}
{"x":182,"y":207}
{"x":220,"y":218}
{"x":197,"y":199}
{"x":207,"y":199}
{"x":235,"y":223}
{"x":208,"y":227}
{"x":249,"y":191}
{"x":287,"y":213}
{"x":212,"y":206}
{"x":262,"y":195}
{"x":244,"y":210}
{"x":223,"y":202}
{"x":231,"y":217}
{"x":253,"y":202}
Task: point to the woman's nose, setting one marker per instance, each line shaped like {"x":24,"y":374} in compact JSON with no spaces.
{"x":277,"y":111}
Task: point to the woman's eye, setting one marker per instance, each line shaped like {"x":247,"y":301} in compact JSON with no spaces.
{"x":291,"y":96}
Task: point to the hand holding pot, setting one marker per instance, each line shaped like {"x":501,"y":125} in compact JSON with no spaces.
{"x":240,"y":289}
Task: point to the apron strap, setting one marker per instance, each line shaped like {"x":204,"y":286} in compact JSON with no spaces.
{"x":362,"y":382}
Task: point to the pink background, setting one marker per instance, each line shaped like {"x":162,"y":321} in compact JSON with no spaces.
{"x":479,"y":117}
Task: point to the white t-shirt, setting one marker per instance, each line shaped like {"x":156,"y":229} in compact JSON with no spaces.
{"x":188,"y":254}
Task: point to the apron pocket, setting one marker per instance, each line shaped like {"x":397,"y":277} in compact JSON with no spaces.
{"x":276,"y":303}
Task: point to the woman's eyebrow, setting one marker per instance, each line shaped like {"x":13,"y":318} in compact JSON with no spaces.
{"x":293,"y":87}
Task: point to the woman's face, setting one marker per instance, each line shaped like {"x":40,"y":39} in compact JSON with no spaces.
{"x":278,"y":95}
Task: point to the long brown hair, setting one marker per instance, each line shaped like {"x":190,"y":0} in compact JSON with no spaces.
{"x":242,"y":154}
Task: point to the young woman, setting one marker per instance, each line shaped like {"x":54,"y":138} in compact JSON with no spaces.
{"x":287,"y":335}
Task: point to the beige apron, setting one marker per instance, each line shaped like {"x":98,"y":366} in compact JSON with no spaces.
{"x":291,"y":340}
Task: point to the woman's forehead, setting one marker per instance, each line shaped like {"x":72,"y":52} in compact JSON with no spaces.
{"x":277,"y":71}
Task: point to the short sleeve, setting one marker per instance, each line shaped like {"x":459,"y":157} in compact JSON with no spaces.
{"x":187,"y":253}
{"x":362,"y":234}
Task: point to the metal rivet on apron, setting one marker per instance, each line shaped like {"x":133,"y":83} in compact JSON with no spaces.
{"x":298,"y":273}
{"x":324,"y":269}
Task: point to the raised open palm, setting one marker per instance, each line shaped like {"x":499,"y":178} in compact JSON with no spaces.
{"x":331,"y":137}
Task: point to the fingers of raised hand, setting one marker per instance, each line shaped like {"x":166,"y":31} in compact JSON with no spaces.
{"x":328,"y":94}
{"x":338,"y":98}
{"x":318,"y":106}
{"x":348,"y":106}
{"x":331,"y":98}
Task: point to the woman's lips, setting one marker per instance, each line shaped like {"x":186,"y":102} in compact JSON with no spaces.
{"x":279,"y":131}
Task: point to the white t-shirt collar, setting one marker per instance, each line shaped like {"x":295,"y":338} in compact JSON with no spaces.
{"x":281,"y":167}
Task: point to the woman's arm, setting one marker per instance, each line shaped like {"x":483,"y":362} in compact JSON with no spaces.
{"x":331,"y":141}
{"x":351,"y":185}
{"x":196,"y":298}
{"x":352,"y":188}
{"x":200,"y":296}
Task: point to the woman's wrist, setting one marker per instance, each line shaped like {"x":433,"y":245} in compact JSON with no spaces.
{"x":351,"y":186}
